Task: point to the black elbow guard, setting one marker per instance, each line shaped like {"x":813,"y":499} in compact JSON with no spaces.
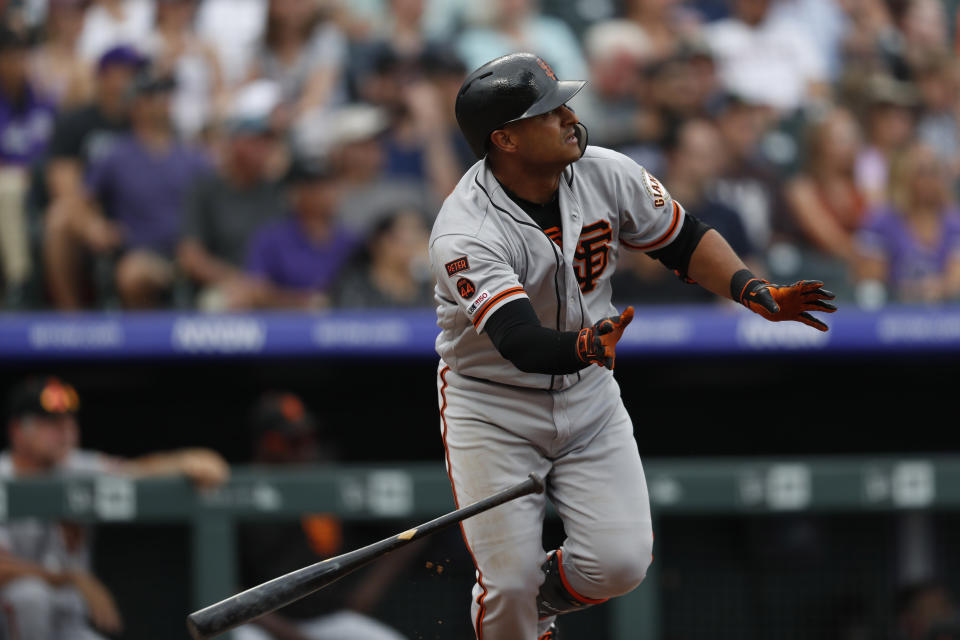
{"x":676,"y":255}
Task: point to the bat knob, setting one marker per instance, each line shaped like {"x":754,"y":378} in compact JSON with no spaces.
{"x":538,"y":484}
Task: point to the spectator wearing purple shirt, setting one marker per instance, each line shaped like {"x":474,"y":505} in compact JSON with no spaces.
{"x":141,"y":185}
{"x":26,"y":121}
{"x":299,"y":257}
{"x":912,"y":247}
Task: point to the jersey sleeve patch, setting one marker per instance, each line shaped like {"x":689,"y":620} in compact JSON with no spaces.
{"x":466,"y":288}
{"x":456,"y":266}
{"x":485,"y":302}
{"x":657,"y":192}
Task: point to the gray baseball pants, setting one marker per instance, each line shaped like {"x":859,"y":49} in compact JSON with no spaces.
{"x":581,"y":440}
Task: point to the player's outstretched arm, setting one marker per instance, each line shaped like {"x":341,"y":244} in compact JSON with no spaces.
{"x":716,"y":267}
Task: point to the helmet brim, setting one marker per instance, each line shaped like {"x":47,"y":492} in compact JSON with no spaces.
{"x":557,"y":96}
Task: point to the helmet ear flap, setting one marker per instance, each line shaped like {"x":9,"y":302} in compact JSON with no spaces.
{"x":581,"y":132}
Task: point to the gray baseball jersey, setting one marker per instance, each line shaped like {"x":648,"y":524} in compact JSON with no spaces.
{"x":486,"y":251}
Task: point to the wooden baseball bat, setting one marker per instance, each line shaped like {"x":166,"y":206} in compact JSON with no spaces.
{"x":279,"y":592}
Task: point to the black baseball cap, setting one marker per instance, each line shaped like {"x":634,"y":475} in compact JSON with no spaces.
{"x":48,"y":396}
{"x":282,"y":412}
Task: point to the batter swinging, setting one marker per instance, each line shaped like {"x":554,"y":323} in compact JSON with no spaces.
{"x":523,"y":250}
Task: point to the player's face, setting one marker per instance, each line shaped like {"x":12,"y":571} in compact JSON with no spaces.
{"x":547,"y":139}
{"x":46,"y":440}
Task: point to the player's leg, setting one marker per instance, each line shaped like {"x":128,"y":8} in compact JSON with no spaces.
{"x":70,"y":616}
{"x":506,"y":542}
{"x":30,"y":602}
{"x":600,"y":492}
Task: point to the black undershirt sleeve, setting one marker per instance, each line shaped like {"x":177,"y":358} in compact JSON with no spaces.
{"x":516,"y":332}
{"x":676,"y":255}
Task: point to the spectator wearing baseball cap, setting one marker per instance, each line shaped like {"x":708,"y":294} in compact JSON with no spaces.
{"x":223,"y":211}
{"x":74,"y":228}
{"x":298,"y":258}
{"x":45,"y":576}
{"x":141,"y":186}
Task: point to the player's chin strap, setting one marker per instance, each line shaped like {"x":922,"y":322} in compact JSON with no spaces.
{"x":556,"y":596}
{"x":581,"y":133}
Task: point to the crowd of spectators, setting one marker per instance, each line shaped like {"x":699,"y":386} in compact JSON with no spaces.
{"x":237,"y":154}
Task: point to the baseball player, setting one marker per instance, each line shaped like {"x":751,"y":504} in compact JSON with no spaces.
{"x":523,"y":250}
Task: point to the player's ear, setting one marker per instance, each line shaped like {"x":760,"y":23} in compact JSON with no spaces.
{"x":502,"y":139}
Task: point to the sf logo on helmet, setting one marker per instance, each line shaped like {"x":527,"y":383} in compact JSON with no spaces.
{"x":546,"y":69}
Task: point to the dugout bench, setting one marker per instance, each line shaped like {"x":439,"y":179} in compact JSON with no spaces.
{"x":420,"y":492}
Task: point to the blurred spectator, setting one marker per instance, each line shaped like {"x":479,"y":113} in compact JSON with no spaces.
{"x":178,"y":51}
{"x":284,"y":433}
{"x":81,"y":137}
{"x":518,"y":25}
{"x":112,"y":23}
{"x":927,"y":611}
{"x":616,"y":51}
{"x":142,"y":185}
{"x":825,"y":201}
{"x":871,"y":43}
{"x":666,"y":24}
{"x":446,"y":74}
{"x":45,"y":575}
{"x":223,"y":211}
{"x":925,"y":29}
{"x":695,"y":160}
{"x":304,"y":52}
{"x":55,"y":68}
{"x":912,"y":246}
{"x":354,"y":146}
{"x":414,"y":146}
{"x":767,"y":61}
{"x":939,"y":85}
{"x":889,"y":128}
{"x":393,"y":269}
{"x":233,"y":27}
{"x":26,"y":122}
{"x":826,"y":24}
{"x":297,"y":258}
{"x":747,"y":184}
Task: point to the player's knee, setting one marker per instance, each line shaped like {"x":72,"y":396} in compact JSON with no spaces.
{"x":625,"y":565}
{"x":618,"y":566}
{"x":30,"y":598}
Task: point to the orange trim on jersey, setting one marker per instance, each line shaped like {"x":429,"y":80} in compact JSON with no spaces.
{"x":563,"y":579}
{"x":494,"y":300}
{"x":555,"y":234}
{"x":662,"y":239}
{"x":478,"y":625}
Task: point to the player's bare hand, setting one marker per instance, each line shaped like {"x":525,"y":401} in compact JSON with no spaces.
{"x":100,"y":604}
{"x":597,"y":344}
{"x":205,"y":468}
{"x":779,"y":302}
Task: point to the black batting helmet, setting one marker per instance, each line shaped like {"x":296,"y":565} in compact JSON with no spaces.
{"x":507,"y":89}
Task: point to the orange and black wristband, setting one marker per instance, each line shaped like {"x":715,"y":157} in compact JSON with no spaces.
{"x":741,"y":282}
